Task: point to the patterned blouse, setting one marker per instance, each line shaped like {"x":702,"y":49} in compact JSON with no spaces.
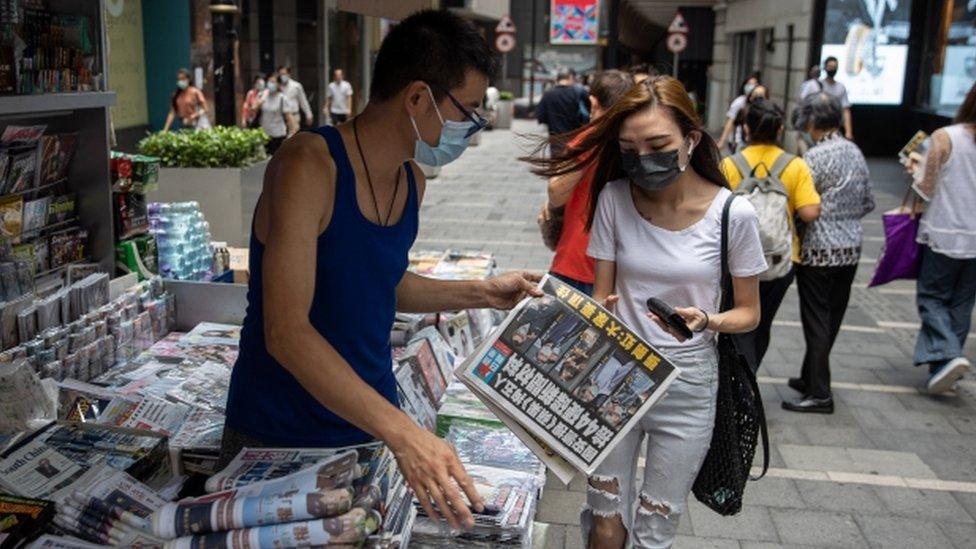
{"x":840,"y":174}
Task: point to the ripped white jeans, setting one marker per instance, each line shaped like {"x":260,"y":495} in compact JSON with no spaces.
{"x":678,"y":430}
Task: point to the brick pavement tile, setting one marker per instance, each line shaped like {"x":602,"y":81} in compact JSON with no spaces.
{"x":774,"y":492}
{"x":963,"y":536}
{"x":901,"y":532}
{"x":868,"y":399}
{"x":766,"y":545}
{"x":964,"y":424}
{"x":833,"y":496}
{"x":854,"y":460}
{"x":753,"y":523}
{"x":923,"y":504}
{"x":872,"y":418}
{"x":560,"y":507}
{"x":574,"y":540}
{"x":548,"y":536}
{"x":817,"y":528}
{"x":688,"y":542}
{"x":787,"y":433}
{"x":937,"y":404}
{"x":855,"y":375}
{"x":967,"y":501}
{"x":840,"y":360}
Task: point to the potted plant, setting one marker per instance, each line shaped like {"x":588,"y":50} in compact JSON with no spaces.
{"x":506,"y":110}
{"x":222,"y":169}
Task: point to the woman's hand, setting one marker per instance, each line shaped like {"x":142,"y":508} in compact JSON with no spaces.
{"x":694,"y":317}
{"x":610,"y":303}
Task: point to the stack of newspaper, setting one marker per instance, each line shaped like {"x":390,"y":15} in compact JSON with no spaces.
{"x":423,"y":372}
{"x":108,"y":507}
{"x":52,"y":458}
{"x":340,"y":496}
{"x":23,"y":519}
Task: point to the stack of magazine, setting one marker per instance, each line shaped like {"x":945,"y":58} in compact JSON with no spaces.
{"x":23,"y":519}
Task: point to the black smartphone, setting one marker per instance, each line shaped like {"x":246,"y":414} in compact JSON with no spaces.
{"x":667,"y":313}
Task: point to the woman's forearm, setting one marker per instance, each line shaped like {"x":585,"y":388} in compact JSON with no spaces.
{"x":738,"y":320}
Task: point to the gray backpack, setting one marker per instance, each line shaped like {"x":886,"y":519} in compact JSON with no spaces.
{"x":768,"y":195}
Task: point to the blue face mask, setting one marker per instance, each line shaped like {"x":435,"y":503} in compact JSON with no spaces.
{"x":453,"y":141}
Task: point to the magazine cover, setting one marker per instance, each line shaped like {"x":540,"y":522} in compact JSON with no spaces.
{"x":414,"y":400}
{"x":420,"y":356}
{"x":35,"y":214}
{"x":211,"y":333}
{"x":62,"y":208}
{"x":22,"y":519}
{"x":569,"y":372}
{"x":11,"y":216}
{"x":456,"y":329}
{"x":442,"y":351}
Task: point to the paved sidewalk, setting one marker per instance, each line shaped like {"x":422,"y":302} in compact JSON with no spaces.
{"x":892,"y":467}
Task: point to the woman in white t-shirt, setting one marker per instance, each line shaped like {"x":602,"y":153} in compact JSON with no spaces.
{"x":271,"y":109}
{"x":656,"y":206}
{"x":729,"y":134}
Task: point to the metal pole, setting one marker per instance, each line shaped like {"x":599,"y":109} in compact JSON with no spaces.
{"x":674,"y":67}
{"x":789,"y":66}
{"x":532,"y":62}
{"x":222,"y":13}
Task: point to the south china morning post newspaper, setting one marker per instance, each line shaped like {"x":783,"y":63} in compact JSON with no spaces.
{"x":568,"y":372}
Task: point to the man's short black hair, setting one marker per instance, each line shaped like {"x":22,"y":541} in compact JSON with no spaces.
{"x":764,"y":120}
{"x":829,"y":59}
{"x":433,"y":46}
{"x":285,"y":68}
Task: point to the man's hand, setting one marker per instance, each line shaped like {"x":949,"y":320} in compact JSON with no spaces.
{"x":308,"y":120}
{"x":433,"y":471}
{"x":505,"y":291}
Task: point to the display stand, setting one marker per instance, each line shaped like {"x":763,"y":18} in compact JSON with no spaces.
{"x":87,"y":115}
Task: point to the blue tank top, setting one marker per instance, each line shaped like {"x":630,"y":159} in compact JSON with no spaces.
{"x":358,"y":266}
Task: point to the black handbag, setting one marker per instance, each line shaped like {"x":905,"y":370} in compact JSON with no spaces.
{"x":552,"y":228}
{"x":739,"y":416}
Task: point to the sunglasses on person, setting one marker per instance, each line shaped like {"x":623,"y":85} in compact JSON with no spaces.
{"x":478,"y":121}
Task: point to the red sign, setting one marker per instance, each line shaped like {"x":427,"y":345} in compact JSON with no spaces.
{"x":677,"y":42}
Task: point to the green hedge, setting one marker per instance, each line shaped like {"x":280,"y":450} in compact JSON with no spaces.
{"x":220,"y":147}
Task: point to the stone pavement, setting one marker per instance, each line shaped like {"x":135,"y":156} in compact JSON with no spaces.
{"x":892,"y":467}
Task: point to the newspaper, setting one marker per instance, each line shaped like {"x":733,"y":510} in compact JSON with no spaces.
{"x":349,"y":529}
{"x":149,"y":413}
{"x":258,"y":464}
{"x":36,"y":470}
{"x":206,"y":387}
{"x":442,"y":351}
{"x":569,"y":372}
{"x":193,"y":518}
{"x":336,"y":471}
{"x":49,"y":541}
{"x":211,"y":333}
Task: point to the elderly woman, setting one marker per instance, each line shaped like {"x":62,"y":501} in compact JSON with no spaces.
{"x":831,"y":245}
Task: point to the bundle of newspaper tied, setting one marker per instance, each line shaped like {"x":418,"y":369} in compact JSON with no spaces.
{"x":282,"y":497}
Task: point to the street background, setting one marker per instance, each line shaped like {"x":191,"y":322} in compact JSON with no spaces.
{"x":892,"y":467}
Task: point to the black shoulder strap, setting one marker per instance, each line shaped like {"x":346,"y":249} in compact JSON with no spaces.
{"x":728,"y":302}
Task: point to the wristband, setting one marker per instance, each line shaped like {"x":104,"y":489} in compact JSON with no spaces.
{"x":705,"y":325}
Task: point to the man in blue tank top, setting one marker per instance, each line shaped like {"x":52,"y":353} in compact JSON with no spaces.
{"x":329,"y":244}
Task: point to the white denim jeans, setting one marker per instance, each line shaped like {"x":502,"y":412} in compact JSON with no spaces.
{"x":678,"y":430}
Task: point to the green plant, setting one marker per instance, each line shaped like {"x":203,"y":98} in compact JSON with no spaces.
{"x":506,"y":96}
{"x":220,"y":147}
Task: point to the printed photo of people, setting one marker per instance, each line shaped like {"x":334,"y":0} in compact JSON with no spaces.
{"x":548,"y":348}
{"x":597,"y":387}
{"x":623,"y":404}
{"x":580,"y":356}
{"x":531,"y":322}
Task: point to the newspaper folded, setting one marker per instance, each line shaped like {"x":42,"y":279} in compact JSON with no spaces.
{"x":570,"y":373}
{"x":259,"y":464}
{"x":188,"y":519}
{"x":23,"y":399}
{"x":351,"y":528}
{"x":49,"y":541}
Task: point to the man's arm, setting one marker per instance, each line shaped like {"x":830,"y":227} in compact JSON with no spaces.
{"x":848,"y":124}
{"x":296,"y":189}
{"x":421,"y":294}
{"x":303,"y":103}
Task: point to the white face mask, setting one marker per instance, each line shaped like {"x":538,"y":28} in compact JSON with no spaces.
{"x":272,"y":87}
{"x":284,"y":79}
{"x":748,"y":88}
{"x":259,"y":85}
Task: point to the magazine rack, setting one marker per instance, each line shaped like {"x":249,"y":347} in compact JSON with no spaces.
{"x":87,"y":115}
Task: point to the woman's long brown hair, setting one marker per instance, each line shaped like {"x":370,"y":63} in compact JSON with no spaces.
{"x":597,"y":142}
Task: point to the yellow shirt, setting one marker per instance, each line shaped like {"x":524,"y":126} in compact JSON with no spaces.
{"x":800,"y":189}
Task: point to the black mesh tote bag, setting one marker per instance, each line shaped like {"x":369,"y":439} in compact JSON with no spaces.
{"x":739,"y":417}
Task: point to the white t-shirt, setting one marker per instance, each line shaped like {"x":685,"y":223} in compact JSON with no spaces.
{"x":339,"y":94}
{"x":683,"y":268}
{"x":272,"y":114}
{"x":837,"y":90}
{"x":737,"y":104}
{"x":810,"y":87}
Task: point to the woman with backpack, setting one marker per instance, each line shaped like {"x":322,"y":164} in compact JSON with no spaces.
{"x":656,"y":205}
{"x":831,"y":246}
{"x":780,"y":187}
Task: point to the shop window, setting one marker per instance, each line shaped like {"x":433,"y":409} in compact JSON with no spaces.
{"x":949,"y":64}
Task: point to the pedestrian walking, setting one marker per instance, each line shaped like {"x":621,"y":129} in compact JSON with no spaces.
{"x":657,"y":199}
{"x":830,"y":246}
{"x":295,"y":100}
{"x":732,"y":116}
{"x":250,"y":109}
{"x":838,"y":90}
{"x":781,"y":187}
{"x":338,"y":213}
{"x":339,"y":99}
{"x":187,"y":103}
{"x":811,"y":85}
{"x":563,"y":108}
{"x":271,"y":114}
{"x":946,"y":288}
{"x":568,"y":195}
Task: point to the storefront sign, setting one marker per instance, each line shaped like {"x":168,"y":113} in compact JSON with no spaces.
{"x":869,"y":38}
{"x":574,"y":22}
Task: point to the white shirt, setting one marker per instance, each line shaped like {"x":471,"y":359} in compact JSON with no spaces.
{"x":837,"y":90}
{"x":295,"y":98}
{"x":339,"y":94}
{"x":272,"y":114}
{"x":683,"y":268}
{"x":737,"y":104}
{"x":948,"y":225}
{"x":810,"y":87}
